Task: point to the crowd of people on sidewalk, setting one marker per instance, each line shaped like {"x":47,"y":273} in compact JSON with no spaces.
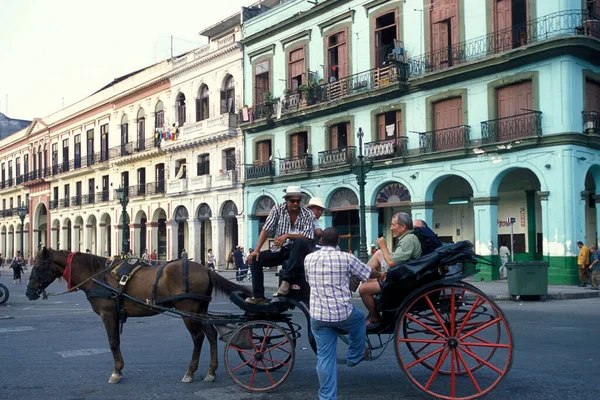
{"x":588,"y":260}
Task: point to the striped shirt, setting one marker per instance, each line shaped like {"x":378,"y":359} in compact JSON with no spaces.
{"x":279,"y":223}
{"x":328,"y":273}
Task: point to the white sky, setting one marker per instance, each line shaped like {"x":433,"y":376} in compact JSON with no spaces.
{"x":55,"y":49}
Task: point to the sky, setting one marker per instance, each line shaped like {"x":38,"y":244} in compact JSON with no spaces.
{"x":57,"y":52}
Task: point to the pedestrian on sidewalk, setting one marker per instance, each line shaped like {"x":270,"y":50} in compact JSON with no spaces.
{"x":327,"y":272}
{"x":246,"y":273}
{"x":230,"y":259}
{"x":504,"y":253}
{"x":210,"y":260}
{"x":238,"y":257}
{"x":17,"y":267}
{"x":583,"y":261}
{"x":595,"y":266}
{"x":153,"y":257}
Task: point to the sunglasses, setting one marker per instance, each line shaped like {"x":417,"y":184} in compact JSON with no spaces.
{"x":295,"y":201}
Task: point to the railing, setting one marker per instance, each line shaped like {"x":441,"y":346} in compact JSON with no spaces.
{"x":155,"y":188}
{"x":138,"y":190}
{"x":88,"y":199}
{"x":512,"y":128}
{"x":64,"y":203}
{"x":387,"y":148}
{"x":337,"y":157}
{"x":570,"y":22}
{"x":591,"y":122}
{"x":7,"y":213}
{"x":53,"y":205}
{"x":445,"y":139}
{"x":19,"y":179}
{"x":75,"y":201}
{"x":295,"y":165}
{"x":146,"y":144}
{"x":9,"y":182}
{"x":124,"y":149}
{"x":260,"y":169}
{"x":230,"y":175}
{"x":102,"y":197}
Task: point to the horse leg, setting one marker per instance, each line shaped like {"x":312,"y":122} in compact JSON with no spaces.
{"x":211,"y":335}
{"x":195,"y":328}
{"x":114,"y":340}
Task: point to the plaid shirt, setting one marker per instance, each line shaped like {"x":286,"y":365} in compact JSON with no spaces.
{"x":278,"y":222}
{"x":328,"y":273}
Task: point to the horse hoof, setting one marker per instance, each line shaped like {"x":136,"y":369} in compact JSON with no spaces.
{"x":187,"y":378}
{"x":115,"y":378}
{"x":210,"y":378}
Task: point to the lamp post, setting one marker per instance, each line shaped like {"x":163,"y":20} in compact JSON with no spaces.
{"x":361,"y":167}
{"x":123,"y":198}
{"x":22,"y":212}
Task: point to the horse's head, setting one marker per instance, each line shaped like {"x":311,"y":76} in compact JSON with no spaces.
{"x":43,"y":273}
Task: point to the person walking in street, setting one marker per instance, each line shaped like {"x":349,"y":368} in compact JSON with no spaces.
{"x":238,"y":257}
{"x":17,"y":267}
{"x":154,"y":257}
{"x":504,"y":253}
{"x":145,"y":255}
{"x":210,"y":263}
{"x":595,"y":266}
{"x":327,"y":272}
{"x":184,"y":254}
{"x":583,"y":260}
{"x":230,"y":260}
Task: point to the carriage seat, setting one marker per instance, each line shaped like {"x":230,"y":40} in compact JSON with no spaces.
{"x":273,"y":307}
{"x":299,"y":287}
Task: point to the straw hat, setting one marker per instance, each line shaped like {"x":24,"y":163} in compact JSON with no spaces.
{"x":317,"y":202}
{"x":292,"y":191}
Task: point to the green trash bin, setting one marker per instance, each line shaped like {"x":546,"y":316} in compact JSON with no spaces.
{"x":528,"y":278}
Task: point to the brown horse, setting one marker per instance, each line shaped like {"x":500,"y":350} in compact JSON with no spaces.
{"x":77,"y":268}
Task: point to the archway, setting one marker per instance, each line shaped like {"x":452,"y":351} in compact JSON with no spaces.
{"x":453,"y":216}
{"x":55,"y":234}
{"x":261,"y":211}
{"x":140,"y":233}
{"x":592,"y":205}
{"x":66,"y":235}
{"x":40,"y":224}
{"x":105,"y":239}
{"x":229,"y":212}
{"x":77,"y":231}
{"x":181,"y":219}
{"x":159,"y":233}
{"x":11,"y":242}
{"x":390,"y":199}
{"x":343,"y":205}
{"x":204,"y":215}
{"x":26,"y":242}
{"x":3,"y":243}
{"x":91,"y":232}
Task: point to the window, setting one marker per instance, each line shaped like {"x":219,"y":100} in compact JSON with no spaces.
{"x":443,"y":31}
{"x":180,"y":109}
{"x":202,"y":110}
{"x":55,"y":193}
{"x":510,"y":17}
{"x":228,"y":96}
{"x":296,"y":68}
{"x":386,"y":32}
{"x":3,"y":175}
{"x":78,"y":189}
{"x":180,"y":169}
{"x":77,"y":140}
{"x":26,"y":166}
{"x":229,"y":159}
{"x":124,"y":130}
{"x":141,"y":130}
{"x":141,"y":178}
{"x":10,"y":171}
{"x":159,"y":121}
{"x":67,"y":195}
{"x":262,"y":81}
{"x":18,"y":166}
{"x":54,"y":158}
{"x":125,"y":180}
{"x":91,"y":189}
{"x":90,"y":146}
{"x":389,"y":125}
{"x":592,"y":95}
{"x":10,"y":204}
{"x":3,"y":204}
{"x":104,"y":142}
{"x":298,"y":144}
{"x":263,"y":152}
{"x":18,"y":200}
{"x":338,"y":136}
{"x":203,"y":165}
{"x":593,"y":7}
{"x":65,"y":154}
{"x":337,"y":56}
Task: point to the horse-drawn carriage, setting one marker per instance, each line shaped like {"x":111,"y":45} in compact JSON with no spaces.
{"x":450,"y":339}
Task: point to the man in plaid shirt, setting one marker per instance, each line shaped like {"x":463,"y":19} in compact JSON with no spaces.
{"x":328,"y":273}
{"x":292,"y":226}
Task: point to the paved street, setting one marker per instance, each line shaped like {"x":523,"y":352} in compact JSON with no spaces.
{"x":57,"y":349}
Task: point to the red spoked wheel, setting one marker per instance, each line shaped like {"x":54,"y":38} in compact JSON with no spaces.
{"x":268,"y":356}
{"x":446,"y":301}
{"x":453,"y":342}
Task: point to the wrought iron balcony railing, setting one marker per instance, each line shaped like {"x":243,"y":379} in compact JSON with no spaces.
{"x":155,"y":188}
{"x":337,"y":157}
{"x":453,"y":138}
{"x":64,"y":203}
{"x":591,"y":122}
{"x":88,"y":199}
{"x":75,"y":201}
{"x":512,"y":128}
{"x":53,"y":204}
{"x":387,"y":148}
{"x":146,"y":144}
{"x":569,"y":22}
{"x":260,"y":169}
{"x":295,"y":165}
{"x":7,"y":213}
{"x":102,"y":197}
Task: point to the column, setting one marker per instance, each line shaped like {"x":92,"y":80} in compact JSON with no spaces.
{"x":531,"y":225}
{"x":27,"y":243}
{"x":372,"y":225}
{"x":87,"y":238}
{"x":76,"y":237}
{"x":194,"y":227}
{"x":218,"y":240}
{"x":3,"y":244}
{"x":241,"y":236}
{"x":11,"y":244}
{"x":422,"y":210}
{"x":152,"y":228}
{"x":485,"y":210}
{"x":597,"y":238}
{"x":17,"y":239}
{"x":252,"y":233}
{"x":54,"y":238}
{"x":172,"y":240}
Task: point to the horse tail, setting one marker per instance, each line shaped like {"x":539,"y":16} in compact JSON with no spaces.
{"x":224,"y":285}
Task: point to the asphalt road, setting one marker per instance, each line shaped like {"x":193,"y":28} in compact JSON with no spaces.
{"x":57,"y":349}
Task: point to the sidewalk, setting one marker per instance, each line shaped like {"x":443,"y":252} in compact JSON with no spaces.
{"x":497,"y":290}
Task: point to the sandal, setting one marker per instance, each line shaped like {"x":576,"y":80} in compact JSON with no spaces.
{"x":372,"y":324}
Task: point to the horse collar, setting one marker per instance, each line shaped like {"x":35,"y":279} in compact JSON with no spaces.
{"x":67,"y":271}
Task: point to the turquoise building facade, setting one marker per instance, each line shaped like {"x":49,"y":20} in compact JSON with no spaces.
{"x":473,"y":123}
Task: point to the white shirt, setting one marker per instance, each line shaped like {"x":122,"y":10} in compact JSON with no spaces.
{"x":504,"y":252}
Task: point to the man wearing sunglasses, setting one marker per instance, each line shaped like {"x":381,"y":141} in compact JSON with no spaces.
{"x":293,"y":228}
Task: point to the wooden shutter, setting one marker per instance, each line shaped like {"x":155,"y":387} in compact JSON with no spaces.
{"x":223,"y":101}
{"x":333,"y":136}
{"x":295,"y":145}
{"x":198,"y":110}
{"x":503,"y":20}
{"x":381,"y":134}
{"x":343,"y":55}
{"x":447,"y":113}
{"x":592,"y":95}
{"x":263,"y":151}
{"x":398,"y":123}
{"x":514,"y":99}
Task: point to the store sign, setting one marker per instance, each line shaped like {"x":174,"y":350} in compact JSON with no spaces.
{"x":505,"y":223}
{"x":522,"y":213}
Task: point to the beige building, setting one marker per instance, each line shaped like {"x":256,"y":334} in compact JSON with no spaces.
{"x":167,"y":133}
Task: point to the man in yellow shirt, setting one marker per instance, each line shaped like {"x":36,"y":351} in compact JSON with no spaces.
{"x":583,"y":260}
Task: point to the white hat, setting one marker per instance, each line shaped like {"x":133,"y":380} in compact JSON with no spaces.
{"x":317,"y":202}
{"x":292,"y":191}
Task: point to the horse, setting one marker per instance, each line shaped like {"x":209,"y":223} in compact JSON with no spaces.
{"x":147,"y":283}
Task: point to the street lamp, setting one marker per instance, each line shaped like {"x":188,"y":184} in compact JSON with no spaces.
{"x":22,"y":212}
{"x":361,"y":167}
{"x":123,"y":198}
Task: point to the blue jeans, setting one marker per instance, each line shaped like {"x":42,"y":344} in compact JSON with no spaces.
{"x":326,"y":336}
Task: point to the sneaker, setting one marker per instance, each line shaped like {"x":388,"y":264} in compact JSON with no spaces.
{"x":582,"y":285}
{"x":255,"y":301}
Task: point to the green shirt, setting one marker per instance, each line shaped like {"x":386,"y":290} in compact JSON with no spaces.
{"x":407,"y":248}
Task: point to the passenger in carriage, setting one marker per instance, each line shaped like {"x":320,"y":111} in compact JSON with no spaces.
{"x":407,"y":248}
{"x":293,"y":227}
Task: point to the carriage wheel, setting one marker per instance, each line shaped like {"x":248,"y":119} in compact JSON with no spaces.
{"x":3,"y":294}
{"x":465,"y":342}
{"x":449,"y":298}
{"x":268,"y":356}
{"x":274,"y":340}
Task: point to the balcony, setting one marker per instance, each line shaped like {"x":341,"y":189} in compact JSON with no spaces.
{"x":209,"y":130}
{"x":146,"y":144}
{"x":76,"y":200}
{"x":200,"y":183}
{"x":177,"y":186}
{"x":591,"y":122}
{"x":102,"y":197}
{"x":337,"y":158}
{"x":7,"y":213}
{"x":387,"y":148}
{"x":260,"y":169}
{"x":88,"y":199}
{"x":569,"y":22}
{"x":226,"y":178}
{"x":457,"y":137}
{"x":155,"y":188}
{"x":124,"y":149}
{"x":512,"y":128}
{"x":138,"y":190}
{"x":64,"y":203}
{"x":295,"y":165}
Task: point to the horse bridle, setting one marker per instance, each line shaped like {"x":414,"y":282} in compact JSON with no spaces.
{"x":44,"y":278}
